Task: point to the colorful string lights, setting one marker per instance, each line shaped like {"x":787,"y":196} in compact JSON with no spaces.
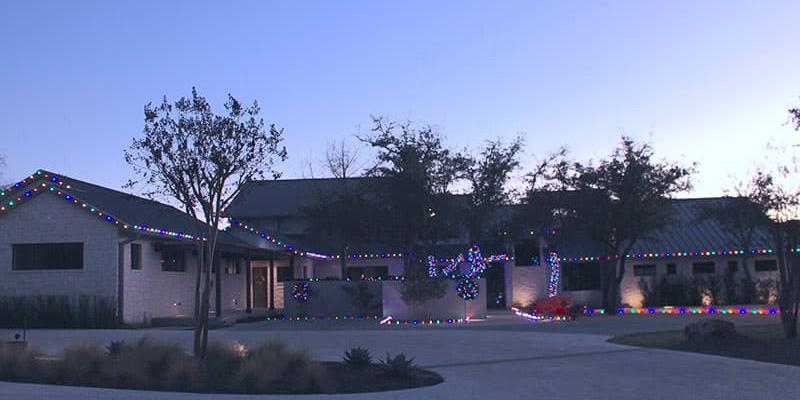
{"x":539,"y":317}
{"x":554,"y":277}
{"x":58,"y":187}
{"x":301,"y":291}
{"x":450,"y":321}
{"x":467,"y":289}
{"x":721,"y":310}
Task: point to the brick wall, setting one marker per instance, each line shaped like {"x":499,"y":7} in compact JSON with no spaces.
{"x":50,"y":219}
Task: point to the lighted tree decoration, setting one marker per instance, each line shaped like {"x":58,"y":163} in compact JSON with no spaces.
{"x":554,"y":278}
{"x":467,"y":289}
{"x":301,"y":291}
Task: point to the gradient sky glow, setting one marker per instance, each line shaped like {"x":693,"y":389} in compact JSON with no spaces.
{"x":704,"y":81}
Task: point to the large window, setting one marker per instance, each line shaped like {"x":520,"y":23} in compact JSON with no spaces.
{"x":766,"y":265}
{"x":136,"y":256}
{"x":707,"y":267}
{"x":43,"y":256}
{"x":672,"y":269}
{"x":173,"y":259}
{"x":580,"y":276}
{"x":644,"y":270}
{"x":355,"y":273}
{"x":526,"y":253}
{"x":285,"y":274}
{"x":232,"y":265}
{"x":733,"y":266}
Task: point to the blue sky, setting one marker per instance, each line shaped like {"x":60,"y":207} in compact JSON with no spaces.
{"x":706,"y":82}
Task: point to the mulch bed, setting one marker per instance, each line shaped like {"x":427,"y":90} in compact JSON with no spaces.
{"x":344,"y":379}
{"x":760,"y":343}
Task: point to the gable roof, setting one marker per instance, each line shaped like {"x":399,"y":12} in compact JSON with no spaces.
{"x":288,"y":197}
{"x":688,"y":233}
{"x":127,"y":211}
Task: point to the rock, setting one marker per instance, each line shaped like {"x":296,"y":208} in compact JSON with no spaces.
{"x":709,"y":329}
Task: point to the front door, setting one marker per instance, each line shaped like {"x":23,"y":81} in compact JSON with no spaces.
{"x":260,"y":287}
{"x":496,"y":285}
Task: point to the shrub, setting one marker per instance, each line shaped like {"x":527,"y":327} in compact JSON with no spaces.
{"x":81,"y":365}
{"x":18,"y":363}
{"x":184,"y":375}
{"x":272,"y":367}
{"x":143,"y":361}
{"x":399,"y":366}
{"x":222,"y":359}
{"x":357,"y":357}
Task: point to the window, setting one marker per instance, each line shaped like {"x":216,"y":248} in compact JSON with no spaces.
{"x":526,"y":253}
{"x":232,"y":266}
{"x":285,"y":274}
{"x":644,"y":270}
{"x":42,"y":256}
{"x":672,"y":269}
{"x":173,"y":259}
{"x":766,"y":265}
{"x":381,"y":272}
{"x":733,"y":266}
{"x":703,"y":267}
{"x":580,"y":276}
{"x":136,"y":256}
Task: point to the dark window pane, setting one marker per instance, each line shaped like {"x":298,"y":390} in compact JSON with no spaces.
{"x":733,"y":266}
{"x":231,"y":265}
{"x":672,"y":269}
{"x":644,"y":270}
{"x":47,"y":256}
{"x":526,"y":253}
{"x":173,"y":259}
{"x":136,"y":256}
{"x":381,"y":272}
{"x":580,"y":276}
{"x":285,"y":274}
{"x":703,"y":267}
{"x":766,"y":265}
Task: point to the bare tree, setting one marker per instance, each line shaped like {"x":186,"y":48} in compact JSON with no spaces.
{"x":201,"y":160}
{"x":341,"y":159}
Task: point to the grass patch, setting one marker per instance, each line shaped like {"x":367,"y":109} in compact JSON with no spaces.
{"x":229,"y":367}
{"x":756,"y":342}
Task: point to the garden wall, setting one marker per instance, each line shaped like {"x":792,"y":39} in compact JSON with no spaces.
{"x":449,"y":306}
{"x":334,"y":298}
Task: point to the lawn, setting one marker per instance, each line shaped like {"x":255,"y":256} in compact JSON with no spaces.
{"x":754,"y":342}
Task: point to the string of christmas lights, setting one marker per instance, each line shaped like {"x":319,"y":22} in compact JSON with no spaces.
{"x":450,"y":321}
{"x":301,"y":291}
{"x":59,"y":188}
{"x":554,"y":278}
{"x":538,"y":317}
{"x":322,"y":318}
{"x":723,"y":310}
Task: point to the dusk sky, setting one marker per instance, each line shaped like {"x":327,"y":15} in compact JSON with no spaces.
{"x":703,"y":81}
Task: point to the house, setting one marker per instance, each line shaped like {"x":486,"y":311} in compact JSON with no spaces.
{"x":69,"y":246}
{"x":91,"y":248}
{"x":690,"y":247}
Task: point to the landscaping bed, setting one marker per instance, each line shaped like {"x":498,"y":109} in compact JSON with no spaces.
{"x":271,"y":368}
{"x":756,"y":342}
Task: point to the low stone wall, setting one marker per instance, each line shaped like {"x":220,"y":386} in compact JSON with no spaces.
{"x":331,"y":299}
{"x":449,"y":306}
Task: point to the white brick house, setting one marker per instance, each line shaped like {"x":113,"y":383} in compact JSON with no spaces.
{"x":71,"y":239}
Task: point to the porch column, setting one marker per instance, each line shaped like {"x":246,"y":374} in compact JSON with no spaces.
{"x":271,"y":281}
{"x":218,"y":283}
{"x":248,"y":285}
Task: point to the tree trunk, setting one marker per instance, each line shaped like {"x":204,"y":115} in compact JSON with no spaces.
{"x":343,"y":263}
{"x":197,"y":305}
{"x":218,"y":285}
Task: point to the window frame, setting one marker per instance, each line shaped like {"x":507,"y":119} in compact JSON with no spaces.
{"x":773,"y":265}
{"x":17,"y":247}
{"x":135,"y":249}
{"x":697,"y":271}
{"x":647,"y":267}
{"x":178,"y":267}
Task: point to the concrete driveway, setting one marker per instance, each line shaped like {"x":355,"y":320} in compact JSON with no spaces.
{"x":504,"y":357}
